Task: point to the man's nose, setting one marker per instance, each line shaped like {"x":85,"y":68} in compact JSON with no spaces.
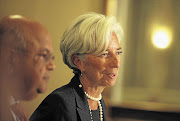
{"x":51,"y":65}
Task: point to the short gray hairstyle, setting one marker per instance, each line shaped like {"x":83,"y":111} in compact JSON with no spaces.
{"x":88,"y":33}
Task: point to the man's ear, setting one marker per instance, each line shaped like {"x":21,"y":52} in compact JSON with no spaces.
{"x":79,"y":63}
{"x":12,"y":61}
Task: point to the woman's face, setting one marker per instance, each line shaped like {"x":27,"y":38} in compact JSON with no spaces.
{"x":103,"y":70}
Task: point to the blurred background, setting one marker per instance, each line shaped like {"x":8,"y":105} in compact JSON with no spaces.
{"x":148,"y":85}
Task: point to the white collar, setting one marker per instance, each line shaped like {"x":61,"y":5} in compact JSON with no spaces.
{"x":12,"y":101}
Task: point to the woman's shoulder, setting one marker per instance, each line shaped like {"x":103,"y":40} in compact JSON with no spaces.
{"x":64,"y":91}
{"x":60,"y":97}
{"x":67,"y":89}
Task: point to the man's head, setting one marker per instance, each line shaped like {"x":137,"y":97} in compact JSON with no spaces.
{"x":26,"y":54}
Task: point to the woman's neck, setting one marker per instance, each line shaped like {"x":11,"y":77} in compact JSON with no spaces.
{"x":91,"y":89}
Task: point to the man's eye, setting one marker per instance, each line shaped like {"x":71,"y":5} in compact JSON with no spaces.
{"x":43,"y":55}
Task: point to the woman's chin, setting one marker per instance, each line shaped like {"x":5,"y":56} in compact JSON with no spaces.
{"x":110,"y":83}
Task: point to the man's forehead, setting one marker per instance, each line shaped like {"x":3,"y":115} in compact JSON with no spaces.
{"x":45,"y":50}
{"x":39,"y":46}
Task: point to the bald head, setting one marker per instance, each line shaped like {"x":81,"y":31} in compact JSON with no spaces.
{"x":16,"y":31}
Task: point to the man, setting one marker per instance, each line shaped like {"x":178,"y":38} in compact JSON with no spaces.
{"x":25,"y":63}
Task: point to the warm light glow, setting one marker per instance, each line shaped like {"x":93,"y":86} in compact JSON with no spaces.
{"x":15,"y":16}
{"x":161,"y":39}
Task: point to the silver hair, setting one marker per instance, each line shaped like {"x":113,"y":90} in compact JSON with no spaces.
{"x":88,"y":33}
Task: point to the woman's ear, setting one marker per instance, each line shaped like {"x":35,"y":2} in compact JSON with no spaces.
{"x":78,"y":62}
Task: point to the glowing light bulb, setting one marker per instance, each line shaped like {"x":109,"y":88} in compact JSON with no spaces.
{"x":161,"y":39}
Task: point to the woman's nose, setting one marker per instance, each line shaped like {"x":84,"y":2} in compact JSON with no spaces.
{"x":115,"y":61}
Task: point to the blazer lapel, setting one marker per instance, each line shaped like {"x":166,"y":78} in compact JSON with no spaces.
{"x":81,"y":101}
{"x":83,"y":115}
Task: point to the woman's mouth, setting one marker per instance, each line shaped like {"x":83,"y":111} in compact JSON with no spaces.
{"x":112,"y":76}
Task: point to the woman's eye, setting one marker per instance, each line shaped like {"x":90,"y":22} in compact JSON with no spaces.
{"x":104,"y":54}
{"x":119,"y":52}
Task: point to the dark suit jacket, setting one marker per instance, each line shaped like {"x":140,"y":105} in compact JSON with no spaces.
{"x":67,"y":103}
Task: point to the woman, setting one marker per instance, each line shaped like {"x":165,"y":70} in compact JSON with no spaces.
{"x":91,"y":47}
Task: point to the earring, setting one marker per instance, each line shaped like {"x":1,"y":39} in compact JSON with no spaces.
{"x":80,"y":86}
{"x":81,"y":74}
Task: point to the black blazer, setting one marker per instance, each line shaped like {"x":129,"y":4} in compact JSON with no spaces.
{"x":67,"y":103}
